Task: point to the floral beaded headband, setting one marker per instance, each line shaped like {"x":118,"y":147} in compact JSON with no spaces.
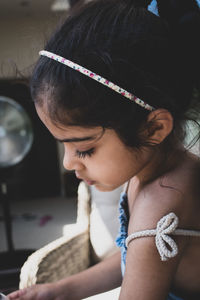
{"x":96,"y":77}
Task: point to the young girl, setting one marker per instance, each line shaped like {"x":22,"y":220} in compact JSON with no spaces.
{"x":115,"y":85}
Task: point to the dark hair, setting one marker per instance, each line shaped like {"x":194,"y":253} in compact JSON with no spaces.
{"x":155,"y":58}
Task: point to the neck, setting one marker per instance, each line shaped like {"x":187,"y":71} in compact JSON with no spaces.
{"x":161,"y":162}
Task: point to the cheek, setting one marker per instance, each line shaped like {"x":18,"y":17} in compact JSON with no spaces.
{"x":112,"y":166}
{"x":112,"y":174}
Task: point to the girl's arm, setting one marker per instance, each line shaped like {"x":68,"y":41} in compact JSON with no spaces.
{"x":146,"y":276}
{"x":99,"y":278}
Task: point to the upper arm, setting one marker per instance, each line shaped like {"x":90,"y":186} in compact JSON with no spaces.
{"x":146,"y":276}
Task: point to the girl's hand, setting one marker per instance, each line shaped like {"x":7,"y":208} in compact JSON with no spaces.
{"x":50,"y":291}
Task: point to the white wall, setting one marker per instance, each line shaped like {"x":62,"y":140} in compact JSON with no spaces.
{"x":21,"y":39}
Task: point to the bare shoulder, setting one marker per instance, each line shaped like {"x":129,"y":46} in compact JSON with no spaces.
{"x":143,"y":262}
{"x":177,"y":191}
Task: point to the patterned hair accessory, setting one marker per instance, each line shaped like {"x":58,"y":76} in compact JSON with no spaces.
{"x":96,"y":77}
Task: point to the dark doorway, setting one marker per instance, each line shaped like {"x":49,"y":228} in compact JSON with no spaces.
{"x":38,"y":175}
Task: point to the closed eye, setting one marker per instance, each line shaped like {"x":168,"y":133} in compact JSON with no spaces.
{"x":83,"y":154}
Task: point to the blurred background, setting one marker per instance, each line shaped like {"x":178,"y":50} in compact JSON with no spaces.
{"x":37,"y":196}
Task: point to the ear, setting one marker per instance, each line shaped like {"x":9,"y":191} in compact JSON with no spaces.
{"x":160,"y":124}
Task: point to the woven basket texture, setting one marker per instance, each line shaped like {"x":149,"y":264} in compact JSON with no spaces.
{"x":70,"y":258}
{"x":65,"y":256}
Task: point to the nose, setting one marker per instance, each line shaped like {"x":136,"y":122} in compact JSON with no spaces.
{"x":71,"y":162}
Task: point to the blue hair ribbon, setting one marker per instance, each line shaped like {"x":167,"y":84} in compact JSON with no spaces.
{"x":153,"y":7}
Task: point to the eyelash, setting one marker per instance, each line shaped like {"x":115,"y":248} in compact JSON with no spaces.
{"x":83,"y":154}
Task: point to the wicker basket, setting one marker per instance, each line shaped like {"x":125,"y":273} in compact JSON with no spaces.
{"x":65,"y":256}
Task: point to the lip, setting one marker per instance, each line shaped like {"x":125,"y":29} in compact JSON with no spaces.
{"x":78,"y":176}
{"x":89,"y":182}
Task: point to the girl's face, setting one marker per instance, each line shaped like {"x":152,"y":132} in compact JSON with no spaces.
{"x":98,"y":157}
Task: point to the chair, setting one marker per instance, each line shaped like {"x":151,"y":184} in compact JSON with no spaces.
{"x":64,"y":256}
{"x":71,"y":253}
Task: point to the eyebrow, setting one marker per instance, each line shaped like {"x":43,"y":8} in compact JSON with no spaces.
{"x":77,"y":139}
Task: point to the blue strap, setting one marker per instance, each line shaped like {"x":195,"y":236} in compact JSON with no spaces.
{"x":171,"y":296}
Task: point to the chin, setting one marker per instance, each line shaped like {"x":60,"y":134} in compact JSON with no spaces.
{"x":105,"y":188}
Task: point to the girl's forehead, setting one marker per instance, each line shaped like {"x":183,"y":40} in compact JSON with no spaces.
{"x":76,"y":134}
{"x":61,"y":131}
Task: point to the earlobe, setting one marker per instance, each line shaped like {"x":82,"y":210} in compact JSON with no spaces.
{"x":160,"y":124}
